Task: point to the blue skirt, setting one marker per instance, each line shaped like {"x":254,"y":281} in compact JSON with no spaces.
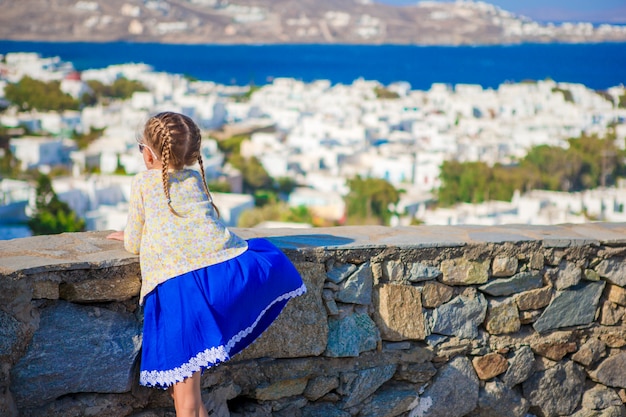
{"x":204,"y":317}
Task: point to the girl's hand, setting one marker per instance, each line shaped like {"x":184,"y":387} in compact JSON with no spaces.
{"x":116,"y":236}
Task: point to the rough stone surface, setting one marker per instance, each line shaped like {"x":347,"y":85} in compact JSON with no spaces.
{"x":418,"y":272}
{"x":453,"y":393}
{"x":495,"y":399}
{"x":568,"y":274}
{"x":400,"y":271}
{"x":490,"y":365}
{"x":395,"y":271}
{"x":399,"y":312}
{"x":574,"y":306}
{"x":600,"y":398}
{"x":301,"y":329}
{"x":460,"y":317}
{"x":46,"y":290}
{"x":435,"y":294}
{"x":502,"y":317}
{"x":590,"y":352}
{"x":504,"y":266}
{"x":281,"y":389}
{"x":537,"y":261}
{"x":106,"y":342}
{"x":520,"y":367}
{"x":350,"y":334}
{"x":464,"y":272}
{"x":556,"y":391}
{"x":10,"y":330}
{"x":610,"y":371}
{"x":323,"y":410}
{"x":217,"y":400}
{"x":591,"y":275}
{"x":93,"y":290}
{"x":389,"y":401}
{"x":320,"y":386}
{"x":534,"y":299}
{"x":357,"y":288}
{"x":416,"y":373}
{"x":523,"y":281}
{"x":360,"y":385}
{"x":554,"y":349}
{"x":616,"y":294}
{"x":613,"y":270}
{"x":611,"y":313}
{"x":340,"y":272}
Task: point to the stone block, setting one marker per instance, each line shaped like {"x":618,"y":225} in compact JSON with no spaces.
{"x":77,"y":349}
{"x":460,"y":317}
{"x":281,"y":389}
{"x":523,"y":281}
{"x":435,"y":294}
{"x":616,"y":294}
{"x":574,"y":306}
{"x":502,"y":317}
{"x":504,"y":266}
{"x":99,"y":290}
{"x":461,"y":271}
{"x":46,"y":290}
{"x":301,"y":329}
{"x":398,"y":312}
{"x":610,"y":371}
{"x":489,"y":365}
{"x":534,"y":299}
{"x":351,"y":334}
{"x":357,"y":288}
{"x":452,"y":393}
{"x":557,"y":391}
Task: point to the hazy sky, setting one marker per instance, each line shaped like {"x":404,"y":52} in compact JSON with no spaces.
{"x":557,"y":10}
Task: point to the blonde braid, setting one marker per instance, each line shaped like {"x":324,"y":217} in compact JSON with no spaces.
{"x":206,"y":187}
{"x":165,"y":155}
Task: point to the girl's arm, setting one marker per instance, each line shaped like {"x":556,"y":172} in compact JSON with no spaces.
{"x":116,"y":236}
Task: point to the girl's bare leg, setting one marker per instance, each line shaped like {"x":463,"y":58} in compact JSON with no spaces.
{"x":188,"y":398}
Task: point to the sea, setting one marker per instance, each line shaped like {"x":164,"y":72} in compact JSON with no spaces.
{"x":598,"y":66}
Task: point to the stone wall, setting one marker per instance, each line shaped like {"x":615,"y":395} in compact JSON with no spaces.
{"x":423,"y":321}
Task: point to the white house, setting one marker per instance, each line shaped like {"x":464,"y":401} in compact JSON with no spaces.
{"x":34,"y":152}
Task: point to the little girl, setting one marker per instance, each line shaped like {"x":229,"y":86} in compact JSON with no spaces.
{"x":206,"y":293}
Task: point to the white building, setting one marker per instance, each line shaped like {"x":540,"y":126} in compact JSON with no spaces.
{"x":34,"y":152}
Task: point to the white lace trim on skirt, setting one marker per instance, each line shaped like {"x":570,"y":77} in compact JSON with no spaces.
{"x":210,"y":356}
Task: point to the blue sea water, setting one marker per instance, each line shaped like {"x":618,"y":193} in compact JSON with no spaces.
{"x":598,"y":66}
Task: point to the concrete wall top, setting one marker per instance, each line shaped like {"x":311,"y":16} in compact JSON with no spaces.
{"x":33,"y":255}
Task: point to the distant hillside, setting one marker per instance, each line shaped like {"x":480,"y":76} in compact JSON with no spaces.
{"x":283,"y":21}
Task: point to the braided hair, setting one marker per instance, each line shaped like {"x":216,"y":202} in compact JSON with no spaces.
{"x":176,"y":138}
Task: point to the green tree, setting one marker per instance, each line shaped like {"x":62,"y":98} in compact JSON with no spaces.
{"x":232,"y":145}
{"x":276,"y":211}
{"x":558,"y":169}
{"x":599,"y":161}
{"x":52,"y":216}
{"x":383,"y":93}
{"x":369,"y":199}
{"x":255,"y":177}
{"x":467,"y":182}
{"x":9,"y":164}
{"x":122,"y":88}
{"x":29,"y":94}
